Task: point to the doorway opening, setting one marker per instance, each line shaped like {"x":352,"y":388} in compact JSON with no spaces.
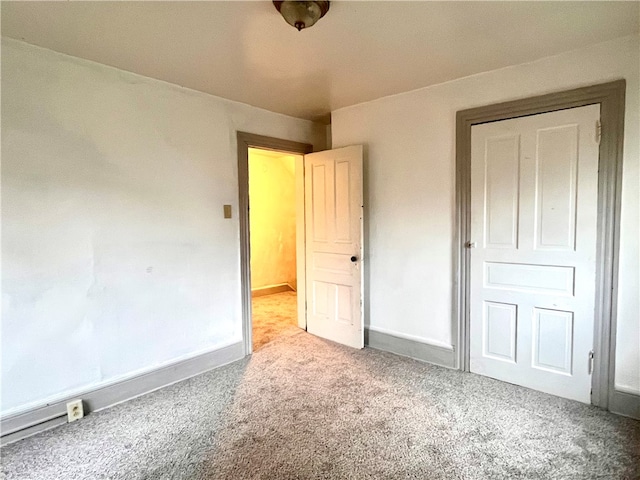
{"x":273,"y":227}
{"x":329,"y":221}
{"x":247,"y":141}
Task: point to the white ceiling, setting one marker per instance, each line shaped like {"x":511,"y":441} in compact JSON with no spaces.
{"x":359,"y":51}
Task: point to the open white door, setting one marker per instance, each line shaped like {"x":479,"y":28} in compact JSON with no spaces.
{"x":333,"y":218}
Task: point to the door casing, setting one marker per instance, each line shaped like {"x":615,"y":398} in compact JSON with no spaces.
{"x":611,"y":97}
{"x":244,"y":142}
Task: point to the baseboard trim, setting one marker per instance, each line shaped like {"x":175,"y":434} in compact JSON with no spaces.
{"x":28,"y":423}
{"x":271,"y":289}
{"x":32,"y":430}
{"x":445,"y":357}
{"x":625,"y":404}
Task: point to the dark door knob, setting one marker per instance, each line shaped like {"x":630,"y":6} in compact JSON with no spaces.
{"x":354,"y":258}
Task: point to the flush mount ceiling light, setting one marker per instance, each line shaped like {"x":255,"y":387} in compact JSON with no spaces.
{"x":301,"y":14}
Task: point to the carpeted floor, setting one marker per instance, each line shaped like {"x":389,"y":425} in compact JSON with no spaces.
{"x":273,"y":316}
{"x":305,"y":408}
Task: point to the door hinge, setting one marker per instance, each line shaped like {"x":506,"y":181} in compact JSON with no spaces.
{"x":591,"y":357}
{"x":598,"y":131}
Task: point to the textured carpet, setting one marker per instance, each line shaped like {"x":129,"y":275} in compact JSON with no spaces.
{"x":273,"y":316}
{"x":305,"y":408}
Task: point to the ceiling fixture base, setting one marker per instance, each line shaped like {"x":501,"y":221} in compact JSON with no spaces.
{"x":301,"y":14}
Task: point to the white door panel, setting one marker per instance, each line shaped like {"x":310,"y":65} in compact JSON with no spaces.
{"x":333,"y":206}
{"x":533,"y":218}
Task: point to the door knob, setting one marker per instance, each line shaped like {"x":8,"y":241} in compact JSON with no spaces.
{"x":354,"y":258}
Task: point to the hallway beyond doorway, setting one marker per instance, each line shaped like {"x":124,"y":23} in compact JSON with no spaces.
{"x":273,"y":316}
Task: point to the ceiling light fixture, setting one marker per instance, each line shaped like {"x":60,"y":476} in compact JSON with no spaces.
{"x":301,"y":14}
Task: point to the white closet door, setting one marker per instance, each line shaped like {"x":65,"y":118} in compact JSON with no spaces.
{"x":534,"y":184}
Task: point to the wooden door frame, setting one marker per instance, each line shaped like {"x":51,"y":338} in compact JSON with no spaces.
{"x":244,"y":142}
{"x":611,"y":98}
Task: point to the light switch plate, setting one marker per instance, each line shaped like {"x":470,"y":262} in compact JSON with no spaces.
{"x":227,"y":211}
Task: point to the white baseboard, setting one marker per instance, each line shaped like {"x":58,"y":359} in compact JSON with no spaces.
{"x":443,"y":356}
{"x":271,"y":289}
{"x":28,"y":423}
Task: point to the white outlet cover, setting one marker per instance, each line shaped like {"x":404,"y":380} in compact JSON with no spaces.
{"x":75,"y":410}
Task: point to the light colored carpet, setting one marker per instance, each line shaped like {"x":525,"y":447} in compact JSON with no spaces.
{"x":273,"y":316}
{"x":305,"y":408}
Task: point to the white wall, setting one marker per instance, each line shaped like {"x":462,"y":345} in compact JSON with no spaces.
{"x":410,"y":167}
{"x":116,"y":256}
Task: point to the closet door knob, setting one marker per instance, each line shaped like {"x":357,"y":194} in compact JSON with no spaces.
{"x":354,"y":258}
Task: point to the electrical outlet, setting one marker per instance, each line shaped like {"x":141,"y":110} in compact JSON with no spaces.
{"x":74,"y":410}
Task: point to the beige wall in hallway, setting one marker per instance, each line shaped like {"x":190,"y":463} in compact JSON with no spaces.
{"x":272,"y":200}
